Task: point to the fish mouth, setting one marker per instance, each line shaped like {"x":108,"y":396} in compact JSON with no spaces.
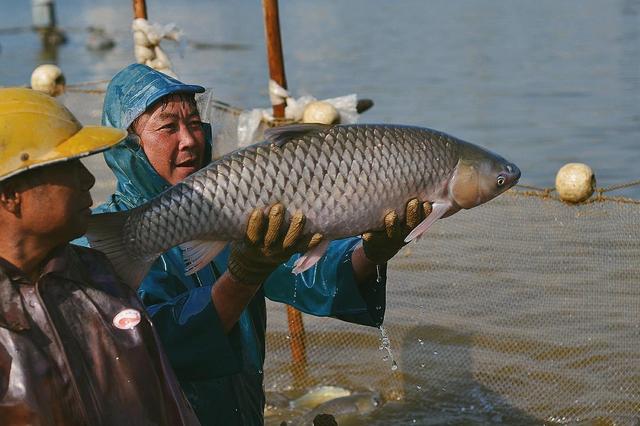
{"x":514,"y":174}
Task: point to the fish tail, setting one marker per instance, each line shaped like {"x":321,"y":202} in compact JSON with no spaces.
{"x":106,"y":234}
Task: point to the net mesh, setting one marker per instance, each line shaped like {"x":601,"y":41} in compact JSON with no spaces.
{"x":523,"y":310}
{"x":527,"y":304}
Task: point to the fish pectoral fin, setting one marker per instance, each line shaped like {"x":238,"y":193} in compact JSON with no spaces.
{"x":198,"y":253}
{"x":311,"y":257}
{"x":438,"y":210}
{"x":282,"y":134}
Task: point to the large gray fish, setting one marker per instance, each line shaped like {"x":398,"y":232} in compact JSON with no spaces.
{"x":344,"y":179}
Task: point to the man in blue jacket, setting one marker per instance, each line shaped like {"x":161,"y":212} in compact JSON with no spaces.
{"x":213,"y":323}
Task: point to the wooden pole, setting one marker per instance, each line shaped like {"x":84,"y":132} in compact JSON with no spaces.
{"x":276,"y":73}
{"x":274,"y":49}
{"x":139,"y":9}
{"x":43,"y":16}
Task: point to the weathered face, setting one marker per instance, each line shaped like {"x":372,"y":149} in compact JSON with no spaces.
{"x":172,"y":137}
{"x":480,"y":176}
{"x":55,"y":201}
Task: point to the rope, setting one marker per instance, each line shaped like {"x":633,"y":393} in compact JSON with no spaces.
{"x":78,"y":87}
{"x":535,"y":188}
{"x":546,"y":194}
{"x":277,"y":94}
{"x":620,"y":186}
{"x":15,"y":30}
{"x":87,"y":91}
{"x":88,"y":83}
{"x":226,"y":107}
{"x":146,"y":44}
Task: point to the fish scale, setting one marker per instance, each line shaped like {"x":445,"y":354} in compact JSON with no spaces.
{"x":344,"y":179}
{"x":385,"y":161}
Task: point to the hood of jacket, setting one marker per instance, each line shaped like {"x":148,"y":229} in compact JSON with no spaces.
{"x":129,"y":94}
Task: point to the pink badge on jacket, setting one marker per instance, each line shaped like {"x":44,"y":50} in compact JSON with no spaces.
{"x":126,"y":319}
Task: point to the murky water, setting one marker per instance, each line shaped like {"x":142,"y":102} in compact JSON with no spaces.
{"x":541,"y":82}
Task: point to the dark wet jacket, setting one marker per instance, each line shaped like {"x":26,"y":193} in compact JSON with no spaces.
{"x":65,"y":359}
{"x":220,"y":373}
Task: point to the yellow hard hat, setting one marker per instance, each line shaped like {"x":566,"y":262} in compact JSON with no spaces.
{"x":36,"y":130}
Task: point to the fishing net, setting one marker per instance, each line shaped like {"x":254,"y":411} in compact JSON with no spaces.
{"x":520,"y":311}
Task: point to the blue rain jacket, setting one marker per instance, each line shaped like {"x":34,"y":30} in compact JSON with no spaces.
{"x":220,"y":373}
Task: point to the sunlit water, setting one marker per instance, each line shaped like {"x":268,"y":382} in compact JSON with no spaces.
{"x":541,"y":82}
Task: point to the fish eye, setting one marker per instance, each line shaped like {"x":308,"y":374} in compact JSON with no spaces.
{"x":501,"y":180}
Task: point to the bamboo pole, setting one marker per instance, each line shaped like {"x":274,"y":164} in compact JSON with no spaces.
{"x":274,"y":49}
{"x":43,"y":16}
{"x":139,"y":9}
{"x":276,"y":73}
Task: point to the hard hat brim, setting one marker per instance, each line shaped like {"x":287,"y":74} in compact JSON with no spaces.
{"x":87,"y":141}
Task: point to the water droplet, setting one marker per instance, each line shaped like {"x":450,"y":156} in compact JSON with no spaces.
{"x":385,"y":344}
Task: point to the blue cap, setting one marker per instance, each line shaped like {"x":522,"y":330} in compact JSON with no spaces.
{"x":136,"y":88}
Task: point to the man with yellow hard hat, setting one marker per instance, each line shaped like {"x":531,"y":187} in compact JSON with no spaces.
{"x":76,"y":347}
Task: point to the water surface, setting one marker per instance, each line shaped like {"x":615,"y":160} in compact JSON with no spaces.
{"x":543,"y":83}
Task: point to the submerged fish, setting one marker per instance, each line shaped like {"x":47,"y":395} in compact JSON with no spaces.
{"x":277,"y":402}
{"x":345,"y":408}
{"x":319,"y":395}
{"x":344,"y":179}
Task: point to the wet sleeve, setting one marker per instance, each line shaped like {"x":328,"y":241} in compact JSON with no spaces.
{"x":5,"y":372}
{"x":189,"y":328}
{"x":330,"y":287}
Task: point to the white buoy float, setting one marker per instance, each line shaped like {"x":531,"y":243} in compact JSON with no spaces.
{"x":48,"y":78}
{"x":575,"y":182}
{"x":320,"y":112}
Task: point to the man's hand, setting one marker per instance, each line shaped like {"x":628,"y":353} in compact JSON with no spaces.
{"x":380,"y":246}
{"x":268,"y":242}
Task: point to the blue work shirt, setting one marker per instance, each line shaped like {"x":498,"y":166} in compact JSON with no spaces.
{"x":221,"y":373}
